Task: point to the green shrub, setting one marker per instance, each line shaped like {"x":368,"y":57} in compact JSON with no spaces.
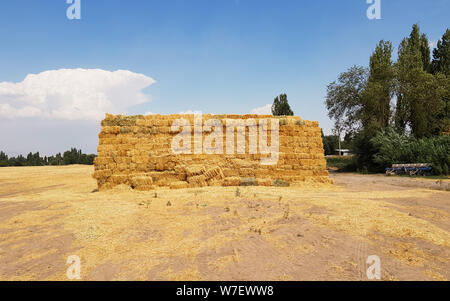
{"x":395,"y":148}
{"x":342,"y":163}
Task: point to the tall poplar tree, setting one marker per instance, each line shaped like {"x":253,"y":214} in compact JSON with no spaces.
{"x":281,"y":106}
{"x":379,"y":91}
{"x":413,"y":84}
{"x":441,"y":55}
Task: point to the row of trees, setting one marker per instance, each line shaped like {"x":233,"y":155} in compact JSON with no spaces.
{"x":410,"y":96}
{"x":73,"y":156}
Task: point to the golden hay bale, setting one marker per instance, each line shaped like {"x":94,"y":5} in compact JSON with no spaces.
{"x":194,"y":170}
{"x":179,"y":185}
{"x":214,"y":173}
{"x":139,"y":159}
{"x":214,"y":182}
{"x":145,"y":187}
{"x":98,"y":174}
{"x":103,"y":160}
{"x":229,"y":172}
{"x":132,"y":145}
{"x":141,"y":180}
{"x":232,"y":181}
{"x":119,"y":179}
{"x":201,"y":179}
{"x":264,"y":182}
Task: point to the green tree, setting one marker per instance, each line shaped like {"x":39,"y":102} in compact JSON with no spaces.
{"x":419,"y":95}
{"x":403,"y":74}
{"x":281,"y":106}
{"x":425,"y":52}
{"x":330,"y":144}
{"x":409,"y":64}
{"x":376,"y":108}
{"x":57,"y":160}
{"x":3,"y":159}
{"x":441,"y":55}
{"x":440,"y":66}
{"x":428,"y":105}
{"x":344,"y":100}
{"x":19,"y":161}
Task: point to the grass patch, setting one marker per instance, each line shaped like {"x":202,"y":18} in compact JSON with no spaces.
{"x":283,"y":121}
{"x":300,"y":122}
{"x":280,"y":183}
{"x":248,"y":182}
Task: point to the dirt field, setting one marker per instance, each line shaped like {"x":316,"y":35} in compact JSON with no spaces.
{"x":320,"y":232}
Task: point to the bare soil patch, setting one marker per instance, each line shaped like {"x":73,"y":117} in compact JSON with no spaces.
{"x":306,"y":232}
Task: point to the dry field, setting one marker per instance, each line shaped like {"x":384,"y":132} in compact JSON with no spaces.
{"x":310,"y":232}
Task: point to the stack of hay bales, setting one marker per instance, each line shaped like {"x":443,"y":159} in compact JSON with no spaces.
{"x":136,"y":151}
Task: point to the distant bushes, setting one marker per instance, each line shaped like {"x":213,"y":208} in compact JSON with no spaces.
{"x":342,"y":163}
{"x":392,"y":148}
{"x":73,"y":156}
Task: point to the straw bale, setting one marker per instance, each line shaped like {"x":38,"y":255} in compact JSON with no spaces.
{"x":179,"y":185}
{"x":136,"y":151}
{"x":264,"y":182}
{"x":232,"y":181}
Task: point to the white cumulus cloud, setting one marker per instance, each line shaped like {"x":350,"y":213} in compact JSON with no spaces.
{"x":264,"y":110}
{"x":73,"y":94}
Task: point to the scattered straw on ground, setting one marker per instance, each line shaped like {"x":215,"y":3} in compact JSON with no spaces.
{"x":306,"y":232}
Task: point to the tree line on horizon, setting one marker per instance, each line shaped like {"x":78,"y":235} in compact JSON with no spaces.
{"x":396,"y":112}
{"x":72,"y":156}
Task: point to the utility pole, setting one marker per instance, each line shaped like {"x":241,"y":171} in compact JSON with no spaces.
{"x":339,"y":142}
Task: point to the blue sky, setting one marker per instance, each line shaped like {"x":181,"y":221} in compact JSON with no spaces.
{"x":218,"y":56}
